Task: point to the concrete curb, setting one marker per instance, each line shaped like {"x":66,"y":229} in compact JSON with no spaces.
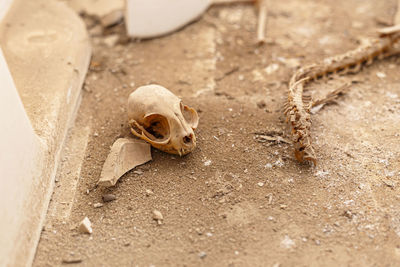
{"x":47,"y":50}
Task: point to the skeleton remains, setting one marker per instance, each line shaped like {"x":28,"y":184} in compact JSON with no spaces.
{"x":297,"y":108}
{"x":158,"y":116}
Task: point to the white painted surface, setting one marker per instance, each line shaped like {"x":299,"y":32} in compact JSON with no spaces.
{"x":4,"y":6}
{"x":19,"y":151}
{"x":152,"y":18}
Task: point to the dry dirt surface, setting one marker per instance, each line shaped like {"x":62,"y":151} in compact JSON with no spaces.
{"x":236,"y":200}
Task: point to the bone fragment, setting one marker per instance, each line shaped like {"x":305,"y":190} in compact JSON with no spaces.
{"x":125,"y":155}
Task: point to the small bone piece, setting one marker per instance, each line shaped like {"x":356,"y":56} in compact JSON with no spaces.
{"x":125,"y":155}
{"x":85,"y":226}
{"x":158,"y":116}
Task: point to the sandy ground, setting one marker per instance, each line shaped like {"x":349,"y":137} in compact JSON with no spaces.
{"x":253,"y":205}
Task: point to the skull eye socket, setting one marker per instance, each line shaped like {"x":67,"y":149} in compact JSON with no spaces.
{"x":190,"y":116}
{"x":157,"y":127}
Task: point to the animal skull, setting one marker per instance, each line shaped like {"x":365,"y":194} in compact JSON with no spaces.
{"x":158,"y":116}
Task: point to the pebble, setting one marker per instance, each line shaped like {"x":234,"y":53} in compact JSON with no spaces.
{"x":207,"y":163}
{"x":260,"y":184}
{"x":98,"y":205}
{"x":157,"y":215}
{"x":112,"y":18}
{"x":381,"y":74}
{"x":202,"y":255}
{"x":111,"y":40}
{"x":149,"y":192}
{"x":71,"y":261}
{"x":85,"y":226}
{"x":271,"y":68}
{"x":109,"y":197}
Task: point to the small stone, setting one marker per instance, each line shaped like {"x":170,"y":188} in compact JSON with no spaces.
{"x":207,"y":163}
{"x":98,"y":205}
{"x":271,"y":68}
{"x":287,"y":242}
{"x":112,"y":18}
{"x":202,"y":255}
{"x":381,"y":75}
{"x":157,"y":215}
{"x":261,"y":104}
{"x":71,"y":261}
{"x":283,"y":206}
{"x":111,"y":40}
{"x":260,"y":184}
{"x":85,"y":226}
{"x":109,"y":197}
{"x":149,"y":192}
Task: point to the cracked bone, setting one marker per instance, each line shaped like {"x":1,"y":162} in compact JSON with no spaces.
{"x":158,"y":116}
{"x":125,"y":155}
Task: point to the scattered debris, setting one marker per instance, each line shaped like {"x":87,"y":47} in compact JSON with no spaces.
{"x":111,"y":40}
{"x":348,"y":214}
{"x":111,"y":19}
{"x":273,"y":137}
{"x":271,"y":68}
{"x":157,"y":215}
{"x":125,"y":155}
{"x":85,"y":226}
{"x":389,"y":183}
{"x":287,"y":242}
{"x":381,"y":75}
{"x":108,"y":197}
{"x":257,"y":76}
{"x":290,"y":62}
{"x":71,"y":261}
{"x":149,"y":192}
{"x":261,"y":104}
{"x":202,"y":255}
{"x":229,"y":72}
{"x":98,"y":205}
{"x":158,"y":116}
